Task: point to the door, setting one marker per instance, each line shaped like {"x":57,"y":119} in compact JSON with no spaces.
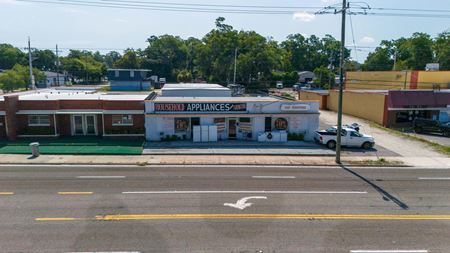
{"x":232,"y":128}
{"x":354,"y":139}
{"x":90,"y":125}
{"x":78,"y":128}
{"x":84,"y":125}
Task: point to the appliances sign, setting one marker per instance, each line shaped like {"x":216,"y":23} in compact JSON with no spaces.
{"x":200,"y":107}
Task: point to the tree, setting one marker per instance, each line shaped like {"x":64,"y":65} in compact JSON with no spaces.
{"x":44,"y":60}
{"x":442,"y":50}
{"x":9,"y":56}
{"x":324,"y":77}
{"x":82,"y":66}
{"x":18,"y":77}
{"x":380,"y":59}
{"x":130,"y":60}
{"x":111,"y":58}
{"x":184,"y":76}
{"x":420,"y":46}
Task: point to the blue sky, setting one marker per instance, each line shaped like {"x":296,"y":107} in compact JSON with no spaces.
{"x":93,"y":27}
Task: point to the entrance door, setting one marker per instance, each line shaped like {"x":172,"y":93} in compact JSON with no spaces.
{"x":78,"y":128}
{"x":232,"y":128}
{"x":84,"y":125}
{"x":90,"y":125}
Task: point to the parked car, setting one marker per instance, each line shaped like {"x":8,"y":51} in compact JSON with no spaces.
{"x":431,"y":126}
{"x":349,"y":137}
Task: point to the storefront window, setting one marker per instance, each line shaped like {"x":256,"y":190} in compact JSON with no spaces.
{"x":122,"y":120}
{"x":268,"y":124}
{"x":281,"y":124}
{"x":181,"y":125}
{"x":220,"y":123}
{"x":245,"y":125}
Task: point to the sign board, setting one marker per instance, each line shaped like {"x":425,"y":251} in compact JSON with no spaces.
{"x":200,"y":107}
{"x":432,"y":67}
{"x":294,"y":107}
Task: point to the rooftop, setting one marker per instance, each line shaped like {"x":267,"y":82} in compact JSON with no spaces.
{"x":215,"y":99}
{"x":52,"y":95}
{"x":193,"y":86}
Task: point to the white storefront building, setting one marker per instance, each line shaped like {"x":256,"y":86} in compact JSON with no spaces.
{"x":171,"y":115}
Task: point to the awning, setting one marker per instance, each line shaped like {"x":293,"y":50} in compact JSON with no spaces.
{"x":79,"y":112}
{"x":2,"y":113}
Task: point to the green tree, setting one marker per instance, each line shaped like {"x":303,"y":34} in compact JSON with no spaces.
{"x":83,"y":67}
{"x":111,"y":58}
{"x":10,"y":80}
{"x":129,"y":60}
{"x":442,"y":50}
{"x":9,"y":56}
{"x":380,"y":59}
{"x":324,"y":77}
{"x":44,"y":60}
{"x":184,"y":76}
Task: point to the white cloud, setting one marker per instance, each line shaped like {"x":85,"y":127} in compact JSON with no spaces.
{"x":367,"y":40}
{"x":121,"y":20}
{"x":10,"y":2}
{"x":303,"y":16}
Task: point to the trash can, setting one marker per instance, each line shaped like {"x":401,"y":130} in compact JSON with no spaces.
{"x":34,"y":149}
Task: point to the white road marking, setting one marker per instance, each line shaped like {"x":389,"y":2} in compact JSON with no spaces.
{"x":389,"y":251}
{"x":241,"y":204}
{"x":105,"y":252}
{"x":246,"y":192}
{"x":274,"y":177}
{"x":100,"y":177}
{"x":434,"y":178}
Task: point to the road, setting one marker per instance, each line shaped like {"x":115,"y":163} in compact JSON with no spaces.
{"x":197,"y":209}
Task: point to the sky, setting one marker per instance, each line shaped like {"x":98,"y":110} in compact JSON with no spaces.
{"x":84,"y":27}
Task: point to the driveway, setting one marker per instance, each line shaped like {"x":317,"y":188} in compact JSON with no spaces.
{"x":436,"y":138}
{"x":384,"y":140}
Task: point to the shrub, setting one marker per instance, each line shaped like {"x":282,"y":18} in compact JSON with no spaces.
{"x":296,"y":136}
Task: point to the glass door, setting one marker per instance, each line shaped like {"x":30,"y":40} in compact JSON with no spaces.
{"x":90,"y":125}
{"x":78,"y":128}
{"x":232,"y":128}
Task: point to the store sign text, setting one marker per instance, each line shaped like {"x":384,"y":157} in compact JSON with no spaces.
{"x":200,"y":107}
{"x":294,"y":107}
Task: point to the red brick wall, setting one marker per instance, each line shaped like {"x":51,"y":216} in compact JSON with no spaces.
{"x":63,"y":124}
{"x":138,"y":124}
{"x":22,"y":124}
{"x":2,"y":105}
{"x":123,"y":105}
{"x":11,"y":120}
{"x":2,"y":128}
{"x":80,"y":104}
{"x":37,"y":105}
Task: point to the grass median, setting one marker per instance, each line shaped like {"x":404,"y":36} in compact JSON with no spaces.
{"x":74,"y":146}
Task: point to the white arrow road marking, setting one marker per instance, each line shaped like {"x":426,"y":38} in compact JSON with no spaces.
{"x":242,"y":203}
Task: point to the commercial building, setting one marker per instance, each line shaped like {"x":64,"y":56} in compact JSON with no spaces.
{"x":129,"y":79}
{"x":172,"y":114}
{"x":390,"y":108}
{"x":53,"y":113}
{"x":397,"y":80}
{"x":53,"y":79}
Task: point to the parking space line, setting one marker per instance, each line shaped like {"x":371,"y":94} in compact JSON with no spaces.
{"x":274,"y":177}
{"x":246,"y":192}
{"x":434,"y":178}
{"x":6,"y":193}
{"x":100,"y":177}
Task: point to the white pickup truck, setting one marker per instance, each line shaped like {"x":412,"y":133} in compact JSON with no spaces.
{"x":349,"y":137}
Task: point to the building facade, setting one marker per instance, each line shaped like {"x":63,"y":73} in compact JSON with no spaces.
{"x":54,"y":113}
{"x":129,"y":79}
{"x":242,"y":118}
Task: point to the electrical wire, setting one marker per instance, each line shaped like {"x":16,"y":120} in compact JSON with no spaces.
{"x":353,"y":37}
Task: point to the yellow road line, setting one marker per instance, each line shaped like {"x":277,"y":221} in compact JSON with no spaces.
{"x":259,"y":216}
{"x":6,"y":193}
{"x":75,"y":193}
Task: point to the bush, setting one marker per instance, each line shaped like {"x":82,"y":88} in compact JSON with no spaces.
{"x":38,"y":130}
{"x":125,"y":131}
{"x":296,"y":137}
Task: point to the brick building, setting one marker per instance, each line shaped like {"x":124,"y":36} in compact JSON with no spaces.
{"x":53,"y":113}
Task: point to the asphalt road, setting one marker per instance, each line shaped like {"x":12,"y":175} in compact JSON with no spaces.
{"x":197,"y":209}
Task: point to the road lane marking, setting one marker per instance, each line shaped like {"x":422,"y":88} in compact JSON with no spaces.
{"x":274,"y":177}
{"x":242,"y":203}
{"x":105,"y":252}
{"x":75,"y":193}
{"x":100,"y":177}
{"x":434,"y":178}
{"x":6,"y":193}
{"x":116,"y":217}
{"x":251,"y":192}
{"x":389,"y":251}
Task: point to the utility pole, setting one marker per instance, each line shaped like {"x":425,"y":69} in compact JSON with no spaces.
{"x":395,"y":59}
{"x":30,"y":63}
{"x":235,"y":60}
{"x":341,"y":83}
{"x":57,"y":66}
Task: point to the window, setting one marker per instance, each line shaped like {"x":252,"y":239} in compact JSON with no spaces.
{"x":122,"y":120}
{"x":131,"y":73}
{"x":116,"y":73}
{"x":244,"y":120}
{"x":281,"y":124}
{"x":355,"y":134}
{"x":38,"y":120}
{"x":181,"y":125}
{"x":220,"y":123}
{"x":268,"y":124}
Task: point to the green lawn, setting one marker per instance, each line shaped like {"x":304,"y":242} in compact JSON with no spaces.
{"x":74,"y":146}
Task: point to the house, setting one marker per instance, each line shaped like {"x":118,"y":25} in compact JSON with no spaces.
{"x":129,"y":79}
{"x":305,"y":76}
{"x":53,"y":79}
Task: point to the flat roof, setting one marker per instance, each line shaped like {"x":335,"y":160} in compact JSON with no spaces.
{"x":193,"y":86}
{"x":214,"y":99}
{"x":53,"y":95}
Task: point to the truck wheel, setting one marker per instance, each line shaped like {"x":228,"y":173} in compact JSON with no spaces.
{"x":366,"y":145}
{"x":331,"y":144}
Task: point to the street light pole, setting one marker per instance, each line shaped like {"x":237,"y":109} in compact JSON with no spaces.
{"x":30,"y":65}
{"x":235,"y":58}
{"x":341,"y":83}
